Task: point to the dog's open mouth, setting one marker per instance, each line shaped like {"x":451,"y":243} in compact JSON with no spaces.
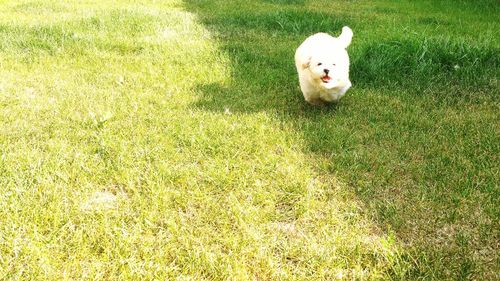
{"x":326,"y":79}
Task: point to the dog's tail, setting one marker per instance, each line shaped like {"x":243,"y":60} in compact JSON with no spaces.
{"x":345,"y":37}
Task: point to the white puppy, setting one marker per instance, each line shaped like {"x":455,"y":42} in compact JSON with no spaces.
{"x":323,"y":66}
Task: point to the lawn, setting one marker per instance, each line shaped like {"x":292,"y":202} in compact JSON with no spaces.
{"x":169,"y":140}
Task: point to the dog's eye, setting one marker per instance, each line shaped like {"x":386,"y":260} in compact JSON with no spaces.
{"x":319,"y":63}
{"x":334,"y":64}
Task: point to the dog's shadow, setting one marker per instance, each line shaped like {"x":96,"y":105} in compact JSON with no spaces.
{"x":247,"y":98}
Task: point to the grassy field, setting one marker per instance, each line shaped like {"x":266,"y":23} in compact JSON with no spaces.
{"x":169,"y":140}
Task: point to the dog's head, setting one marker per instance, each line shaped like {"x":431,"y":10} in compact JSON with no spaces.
{"x":330,"y":63}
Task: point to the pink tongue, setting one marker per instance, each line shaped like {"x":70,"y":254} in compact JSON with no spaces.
{"x":326,"y":78}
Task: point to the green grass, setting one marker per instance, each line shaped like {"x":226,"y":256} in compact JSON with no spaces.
{"x":169,"y":140}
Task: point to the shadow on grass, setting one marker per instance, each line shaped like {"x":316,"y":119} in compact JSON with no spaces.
{"x":441,"y":64}
{"x":382,"y":137}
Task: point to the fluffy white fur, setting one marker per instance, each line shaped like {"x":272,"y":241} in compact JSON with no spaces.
{"x":323,"y":66}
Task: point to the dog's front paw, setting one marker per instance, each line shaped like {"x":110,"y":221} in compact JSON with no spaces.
{"x":315,"y":101}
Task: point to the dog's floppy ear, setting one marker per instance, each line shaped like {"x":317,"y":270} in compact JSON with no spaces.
{"x":345,"y":37}
{"x":307,"y":62}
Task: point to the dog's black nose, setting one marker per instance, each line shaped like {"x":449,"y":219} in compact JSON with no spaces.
{"x":326,"y":71}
